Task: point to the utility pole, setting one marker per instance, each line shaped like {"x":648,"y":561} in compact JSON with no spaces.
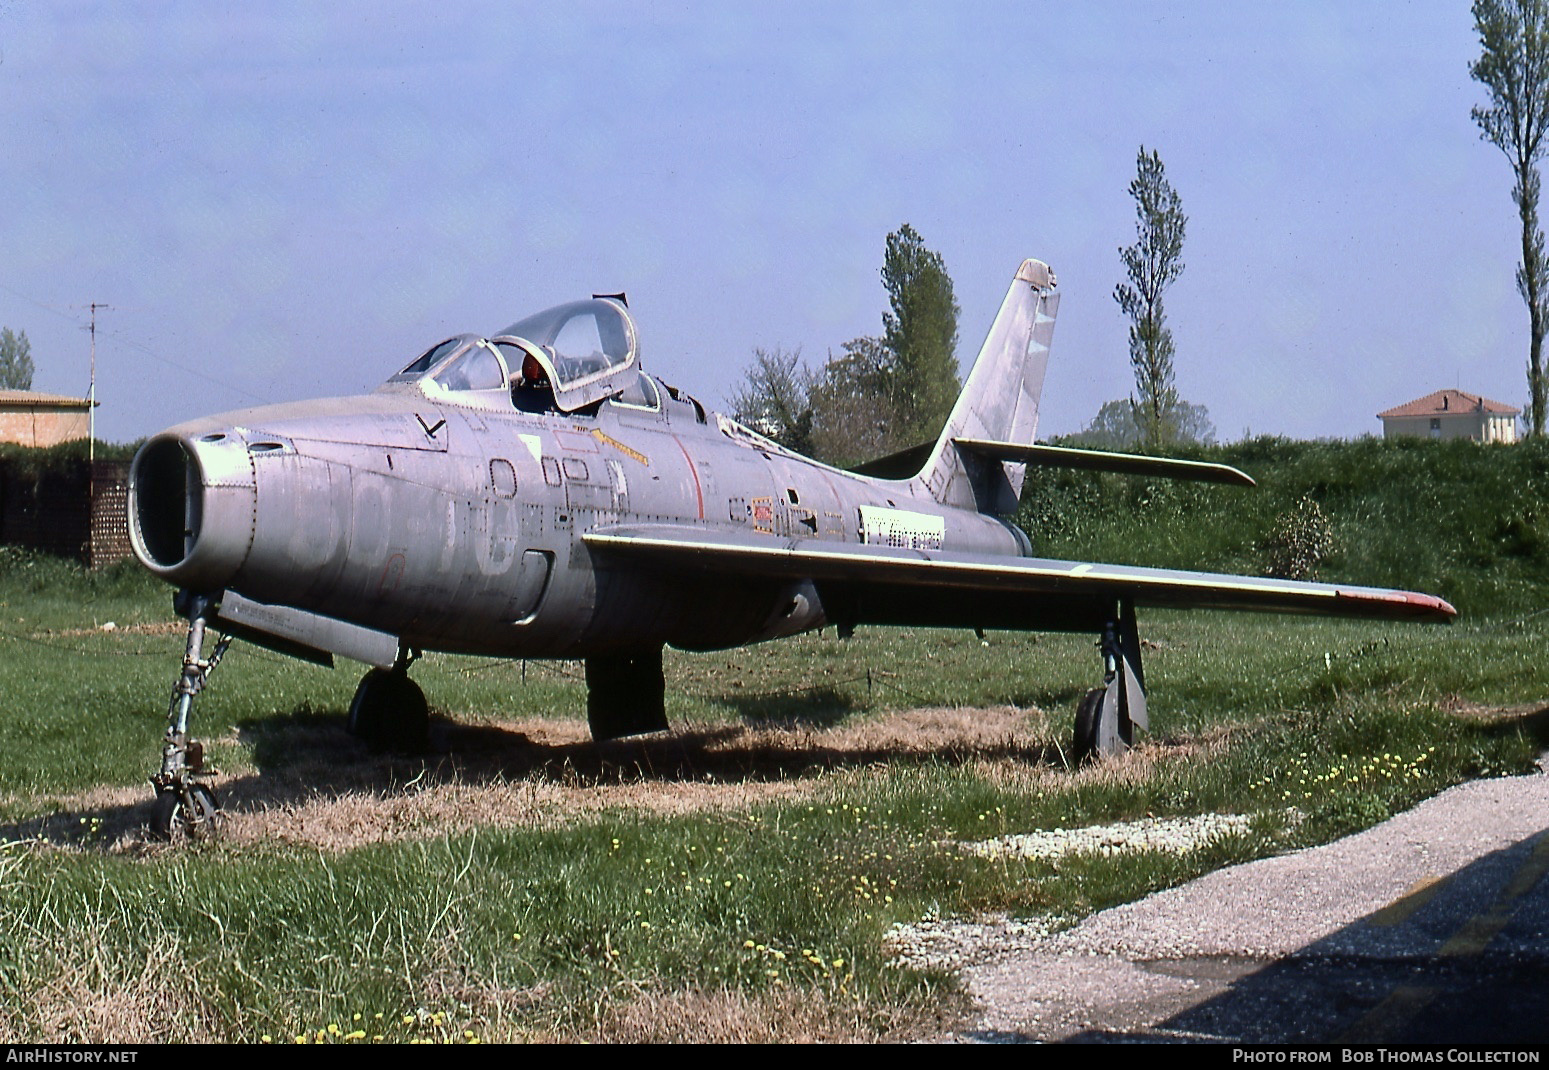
{"x":91,"y":394}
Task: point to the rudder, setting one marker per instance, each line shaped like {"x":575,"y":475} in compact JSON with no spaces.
{"x":999,"y":401}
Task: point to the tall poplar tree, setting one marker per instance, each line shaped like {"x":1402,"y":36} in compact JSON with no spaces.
{"x":1513,"y":66}
{"x":920,"y":331}
{"x":1153,"y":264}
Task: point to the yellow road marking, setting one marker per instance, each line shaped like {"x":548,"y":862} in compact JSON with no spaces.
{"x":1402,"y":908}
{"x":1401,"y":1005}
{"x":1404,"y":1003}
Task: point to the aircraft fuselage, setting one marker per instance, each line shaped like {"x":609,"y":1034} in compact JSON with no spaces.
{"x":457,"y":527}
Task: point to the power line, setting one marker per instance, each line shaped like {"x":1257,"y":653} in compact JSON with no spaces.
{"x":86,"y":324}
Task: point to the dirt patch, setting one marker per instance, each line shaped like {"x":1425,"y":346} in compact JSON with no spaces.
{"x":1461,"y":707}
{"x":163,"y":627}
{"x":316,"y":785}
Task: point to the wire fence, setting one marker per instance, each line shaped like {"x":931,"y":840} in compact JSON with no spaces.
{"x":875,"y":678}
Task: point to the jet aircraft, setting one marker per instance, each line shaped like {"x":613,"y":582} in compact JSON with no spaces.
{"x":536,"y":494}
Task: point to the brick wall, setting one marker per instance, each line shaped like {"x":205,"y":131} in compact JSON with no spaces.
{"x":69,"y":509}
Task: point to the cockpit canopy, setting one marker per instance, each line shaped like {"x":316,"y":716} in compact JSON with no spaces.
{"x":577,"y":353}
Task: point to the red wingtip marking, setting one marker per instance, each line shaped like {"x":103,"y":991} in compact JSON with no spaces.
{"x":1444,"y":606}
{"x":1438,"y":606}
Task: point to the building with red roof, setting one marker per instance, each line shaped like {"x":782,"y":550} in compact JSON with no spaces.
{"x":32,"y":419}
{"x":1452,"y":414}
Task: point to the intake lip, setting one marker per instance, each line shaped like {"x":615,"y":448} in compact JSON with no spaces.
{"x":191,"y":507}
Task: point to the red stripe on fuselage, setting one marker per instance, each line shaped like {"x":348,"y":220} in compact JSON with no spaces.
{"x":699,"y":495}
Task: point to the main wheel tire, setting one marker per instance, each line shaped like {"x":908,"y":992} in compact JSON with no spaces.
{"x":1088,"y":717}
{"x":365,"y":717}
{"x":406,"y":720}
{"x":389,"y":712}
{"x":179,"y":819}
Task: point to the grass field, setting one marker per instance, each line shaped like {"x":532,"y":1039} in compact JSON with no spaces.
{"x":742,"y":878}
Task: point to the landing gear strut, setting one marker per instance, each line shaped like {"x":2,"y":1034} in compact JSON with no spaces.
{"x":1108,"y":716}
{"x":389,"y":710}
{"x":186,"y":807}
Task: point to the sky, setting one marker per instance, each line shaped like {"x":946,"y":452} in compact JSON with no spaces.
{"x":294,"y":199}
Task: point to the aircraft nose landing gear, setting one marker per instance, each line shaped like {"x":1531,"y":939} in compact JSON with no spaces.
{"x":186,"y":807}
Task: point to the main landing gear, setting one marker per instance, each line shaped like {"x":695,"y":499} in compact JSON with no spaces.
{"x":186,"y":806}
{"x":389,"y":710}
{"x":1107,"y":717}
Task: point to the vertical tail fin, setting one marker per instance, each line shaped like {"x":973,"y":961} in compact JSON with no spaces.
{"x":1000,"y":400}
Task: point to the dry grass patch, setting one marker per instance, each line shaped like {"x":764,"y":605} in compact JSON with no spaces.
{"x":91,"y":995}
{"x":316,"y":786}
{"x":1461,"y":707}
{"x":810,"y":1016}
{"x":165,"y":627}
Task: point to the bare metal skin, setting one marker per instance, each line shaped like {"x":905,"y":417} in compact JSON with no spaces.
{"x":538,"y":495}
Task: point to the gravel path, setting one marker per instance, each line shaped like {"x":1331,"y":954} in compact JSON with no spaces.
{"x":1127,"y":969}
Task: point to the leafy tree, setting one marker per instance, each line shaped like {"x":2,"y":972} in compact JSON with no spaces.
{"x":920,"y":331}
{"x":1153,"y":263}
{"x":15,"y":361}
{"x":883,"y":394}
{"x":1114,"y":426}
{"x":775,"y":398}
{"x":855,"y":405}
{"x":1513,"y":66}
{"x":841,"y":414}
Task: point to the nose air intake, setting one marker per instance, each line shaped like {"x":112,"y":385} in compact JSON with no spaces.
{"x":191,"y":508}
{"x":168,"y":500}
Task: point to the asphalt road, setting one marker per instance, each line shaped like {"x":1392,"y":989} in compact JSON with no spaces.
{"x":1432,"y":928}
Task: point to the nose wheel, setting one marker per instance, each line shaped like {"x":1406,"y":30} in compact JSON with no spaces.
{"x":186,"y":807}
{"x":186,"y":815}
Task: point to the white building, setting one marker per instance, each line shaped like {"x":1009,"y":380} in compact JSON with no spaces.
{"x":1452,"y":414}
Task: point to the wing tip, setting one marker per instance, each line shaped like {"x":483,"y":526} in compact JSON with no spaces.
{"x":1421,"y":606}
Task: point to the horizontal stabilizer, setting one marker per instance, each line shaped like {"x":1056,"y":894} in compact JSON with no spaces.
{"x":901,"y":465}
{"x":1100,"y":461}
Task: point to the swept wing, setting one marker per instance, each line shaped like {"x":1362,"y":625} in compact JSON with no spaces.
{"x":890,"y":585}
